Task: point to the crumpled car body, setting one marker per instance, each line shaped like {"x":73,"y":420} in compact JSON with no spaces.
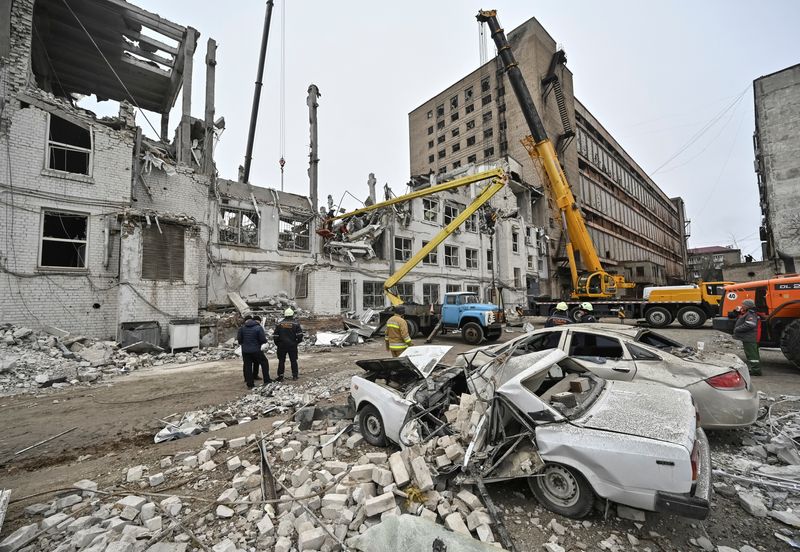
{"x":635,"y":444}
{"x":719,"y":382}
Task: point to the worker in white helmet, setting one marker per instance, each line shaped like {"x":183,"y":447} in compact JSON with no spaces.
{"x":559,"y":316}
{"x":583,"y":314}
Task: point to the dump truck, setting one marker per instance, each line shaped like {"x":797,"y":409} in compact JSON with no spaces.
{"x":777,"y":303}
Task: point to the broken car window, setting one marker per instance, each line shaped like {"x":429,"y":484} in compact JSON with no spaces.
{"x":238,"y":227}
{"x":640,"y":353}
{"x":64,"y":239}
{"x":69,"y":147}
{"x":591,"y":345}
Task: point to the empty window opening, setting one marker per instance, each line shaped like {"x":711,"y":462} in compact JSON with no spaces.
{"x":471,"y":124}
{"x":430,"y":209}
{"x":454,"y":117}
{"x":451,"y":211}
{"x":583,"y":344}
{"x":454,"y":102}
{"x":69,"y":147}
{"x":440,"y":111}
{"x":457,"y":164}
{"x":489,"y":259}
{"x":431,"y":258}
{"x":515,"y":242}
{"x":471,"y":224}
{"x":430,"y":294}
{"x":472,"y":159}
{"x":405,"y":291}
{"x":293,"y":234}
{"x":475,"y":289}
{"x":517,"y":277}
{"x":440,"y":140}
{"x":485,"y":84}
{"x":455,"y":132}
{"x":468,"y":94}
{"x":456,"y":147}
{"x":163,"y":252}
{"x":64,"y":240}
{"x":486,"y":100}
{"x":238,"y":227}
{"x":469,"y":109}
{"x":488,"y":152}
{"x":487,"y":116}
{"x":440,"y":125}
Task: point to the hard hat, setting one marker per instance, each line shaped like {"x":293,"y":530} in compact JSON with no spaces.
{"x":288,"y":312}
{"x":587,"y":306}
{"x":562,"y":306}
{"x":749,"y":303}
{"x":399,"y":309}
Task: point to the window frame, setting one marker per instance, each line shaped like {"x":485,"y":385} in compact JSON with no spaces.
{"x":348,"y":294}
{"x":404,"y":248}
{"x":427,"y":297}
{"x":293,"y":219}
{"x":42,"y":239}
{"x":370,"y":304}
{"x":238,"y":211}
{"x":70,"y":147}
{"x":474,"y":262}
{"x":451,"y":252}
{"x":432,"y":258}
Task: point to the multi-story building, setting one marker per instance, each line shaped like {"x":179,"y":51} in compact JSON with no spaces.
{"x":477,"y":120}
{"x":708,"y":263}
{"x":776,"y":142}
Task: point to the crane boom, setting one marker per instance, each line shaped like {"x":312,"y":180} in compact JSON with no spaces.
{"x":594,"y":281}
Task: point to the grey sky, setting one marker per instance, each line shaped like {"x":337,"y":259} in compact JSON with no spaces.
{"x":654,"y":73}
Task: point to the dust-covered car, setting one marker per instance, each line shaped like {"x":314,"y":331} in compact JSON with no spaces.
{"x":543,"y":417}
{"x":719,"y":382}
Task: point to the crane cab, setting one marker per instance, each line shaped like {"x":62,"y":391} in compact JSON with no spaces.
{"x":595,"y":285}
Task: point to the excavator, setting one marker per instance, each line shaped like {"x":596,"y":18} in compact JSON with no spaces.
{"x":593,"y":282}
{"x":460,"y":311}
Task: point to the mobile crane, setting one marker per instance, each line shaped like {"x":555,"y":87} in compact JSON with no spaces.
{"x":460,"y":311}
{"x":593,"y":282}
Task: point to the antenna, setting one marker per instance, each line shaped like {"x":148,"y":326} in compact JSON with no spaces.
{"x":484,"y":54}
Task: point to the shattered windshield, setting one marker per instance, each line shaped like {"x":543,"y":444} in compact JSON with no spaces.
{"x":465,"y":299}
{"x":663,"y":343}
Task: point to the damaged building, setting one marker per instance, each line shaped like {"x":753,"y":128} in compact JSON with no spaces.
{"x":637,"y":229}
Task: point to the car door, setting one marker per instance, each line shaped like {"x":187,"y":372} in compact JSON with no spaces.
{"x":601,"y":354}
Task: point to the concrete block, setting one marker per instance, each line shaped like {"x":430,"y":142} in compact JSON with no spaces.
{"x":128,"y":513}
{"x":455,"y":453}
{"x":156,"y":479}
{"x":399,"y":470}
{"x":300,"y":476}
{"x":134,"y":474}
{"x":626,"y":512}
{"x":119,"y":546}
{"x":362,"y":472}
{"x":334,"y":466}
{"x":430,"y":515}
{"x":476,"y":518}
{"x":422,"y":474}
{"x":469,"y":499}
{"x":224,"y":512}
{"x":238,"y":442}
{"x":265,"y":526}
{"x":287,"y":454}
{"x":354,"y":440}
{"x":147,"y":511}
{"x":455,"y":523}
{"x":190,"y":461}
{"x":208,"y":466}
{"x":382,"y":477}
{"x":153,"y":524}
{"x":311,"y":539}
{"x":225,"y":545}
{"x":376,"y":457}
{"x":234,"y":463}
{"x":283,"y":544}
{"x":228,"y":495}
{"x":379,"y":504}
{"x":19,"y":538}
{"x":751,"y":504}
{"x":442,"y":461}
{"x":172,"y":505}
{"x":131,"y":500}
{"x":484,"y":533}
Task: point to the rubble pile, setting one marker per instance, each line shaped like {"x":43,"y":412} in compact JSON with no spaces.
{"x":31,"y":360}
{"x":763,"y":474}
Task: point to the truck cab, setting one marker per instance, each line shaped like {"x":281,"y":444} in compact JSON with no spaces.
{"x":463,"y":311}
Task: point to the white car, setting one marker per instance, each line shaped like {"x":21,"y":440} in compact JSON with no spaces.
{"x":571,"y":434}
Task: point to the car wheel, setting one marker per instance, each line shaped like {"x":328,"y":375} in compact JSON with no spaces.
{"x":412,"y":328}
{"x":472,"y":333}
{"x":658,"y":317}
{"x":790,"y":342}
{"x":692,"y":317}
{"x":371,"y":424}
{"x":562,"y":490}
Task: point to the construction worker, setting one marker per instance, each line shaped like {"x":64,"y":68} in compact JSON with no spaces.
{"x":746,"y":330}
{"x":559,"y":317}
{"x":583,"y":314}
{"x":287,"y":336}
{"x":397,"y":337}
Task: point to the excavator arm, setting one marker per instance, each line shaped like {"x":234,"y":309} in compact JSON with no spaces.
{"x":498,"y":180}
{"x":593,"y":281}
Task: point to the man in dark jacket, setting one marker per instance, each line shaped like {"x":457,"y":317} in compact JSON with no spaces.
{"x":251,"y":336}
{"x":287,"y":335}
{"x":559,"y":316}
{"x":746,"y":331}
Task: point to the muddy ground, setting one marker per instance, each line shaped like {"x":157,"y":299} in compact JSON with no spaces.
{"x":116,"y":422}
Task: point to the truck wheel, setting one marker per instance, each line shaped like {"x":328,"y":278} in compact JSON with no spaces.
{"x":412,"y":328}
{"x":692,"y":317}
{"x":491,"y":338}
{"x":658,"y":317}
{"x":562,"y":490}
{"x":371,"y":424}
{"x":790,"y":342}
{"x":472,"y":333}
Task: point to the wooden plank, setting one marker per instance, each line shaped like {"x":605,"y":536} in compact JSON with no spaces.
{"x":139,"y":37}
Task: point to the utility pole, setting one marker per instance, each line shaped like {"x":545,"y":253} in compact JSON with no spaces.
{"x":313,"y":158}
{"x":251,"y":135}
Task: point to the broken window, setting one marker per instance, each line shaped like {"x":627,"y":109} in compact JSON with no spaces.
{"x":431,"y":158}
{"x":440,"y":139}
{"x":454,"y":117}
{"x":489,"y":259}
{"x":373,"y":295}
{"x":456,"y":147}
{"x":431,"y":258}
{"x":69,"y":147}
{"x":468,"y":94}
{"x":474,"y":289}
{"x":471,"y":141}
{"x":517,"y":277}
{"x":469,"y":109}
{"x":402,"y":248}
{"x":488,"y":133}
{"x":430,"y":294}
{"x":455,"y":132}
{"x":530,"y":261}
{"x":485,"y":84}
{"x":486,"y":100}
{"x":515,"y":242}
{"x":457,"y":164}
{"x":471,"y":124}
{"x":345,"y":296}
{"x":405,"y":291}
{"x":453,"y":288}
{"x":238,"y":227}
{"x":430,"y":209}
{"x":440,"y":110}
{"x":430,"y":114}
{"x":430,"y":143}
{"x":293,"y":234}
{"x":488,"y":152}
{"x":472,"y":159}
{"x":440,"y":125}
{"x":441,"y":154}
{"x":163,"y":251}
{"x":454,"y":102}
{"x":451,"y":211}
{"x":430,"y":130}
{"x":64,"y":240}
{"x":487,"y":117}
{"x":583,"y":344}
{"x":472,"y":258}
{"x":471,"y":224}
{"x":301,"y":285}
{"x":442,"y":170}
{"x":450,"y":255}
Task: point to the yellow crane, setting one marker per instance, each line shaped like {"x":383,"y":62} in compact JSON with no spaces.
{"x":592,"y":282}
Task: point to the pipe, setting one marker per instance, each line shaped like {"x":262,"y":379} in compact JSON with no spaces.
{"x":251,"y":134}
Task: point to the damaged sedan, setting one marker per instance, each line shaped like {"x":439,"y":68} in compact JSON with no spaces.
{"x":543,"y":417}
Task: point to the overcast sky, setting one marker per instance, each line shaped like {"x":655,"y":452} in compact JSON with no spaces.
{"x":664,"y":78}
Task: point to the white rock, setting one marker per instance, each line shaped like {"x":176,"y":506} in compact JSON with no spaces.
{"x":133,"y":501}
{"x":382,"y":477}
{"x":455,"y":523}
{"x":224,"y":512}
{"x":379,"y":504}
{"x":399,"y":470}
{"x":287,"y":454}
{"x":311,"y":539}
{"x":422,"y":474}
{"x":19,"y":538}
{"x":226,"y":545}
{"x":265,"y":526}
{"x":156,"y":479}
{"x":134,"y":474}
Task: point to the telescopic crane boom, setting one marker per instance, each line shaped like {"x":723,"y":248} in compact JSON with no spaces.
{"x":593,"y":281}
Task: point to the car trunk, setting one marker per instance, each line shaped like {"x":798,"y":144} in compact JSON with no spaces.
{"x":660,"y":413}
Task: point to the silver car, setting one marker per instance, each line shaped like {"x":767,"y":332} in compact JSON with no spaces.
{"x":719,"y":382}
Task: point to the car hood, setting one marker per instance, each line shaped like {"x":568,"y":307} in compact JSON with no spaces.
{"x":651,"y":411}
{"x":416,"y":362}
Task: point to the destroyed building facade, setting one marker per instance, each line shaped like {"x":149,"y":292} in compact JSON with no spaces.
{"x":636,"y":228}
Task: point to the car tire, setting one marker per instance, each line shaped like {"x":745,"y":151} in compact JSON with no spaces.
{"x":472,"y":332}
{"x":562,"y":490}
{"x":790,"y":342}
{"x":692,"y":317}
{"x":658,"y":317}
{"x":412,"y":328}
{"x":371,"y":424}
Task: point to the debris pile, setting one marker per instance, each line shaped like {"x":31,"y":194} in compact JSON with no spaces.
{"x":31,"y":360}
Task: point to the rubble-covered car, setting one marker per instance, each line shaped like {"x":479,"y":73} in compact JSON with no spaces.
{"x":543,"y":417}
{"x":719,"y":382}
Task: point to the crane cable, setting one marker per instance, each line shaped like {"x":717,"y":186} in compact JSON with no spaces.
{"x":282,"y":139}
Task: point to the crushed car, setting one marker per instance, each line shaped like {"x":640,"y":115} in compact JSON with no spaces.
{"x":543,"y":417}
{"x":720,"y":383}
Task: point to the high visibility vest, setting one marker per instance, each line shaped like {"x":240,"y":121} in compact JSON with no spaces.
{"x":397,"y":333}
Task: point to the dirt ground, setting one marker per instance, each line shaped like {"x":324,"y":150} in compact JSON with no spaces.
{"x":116,"y":423}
